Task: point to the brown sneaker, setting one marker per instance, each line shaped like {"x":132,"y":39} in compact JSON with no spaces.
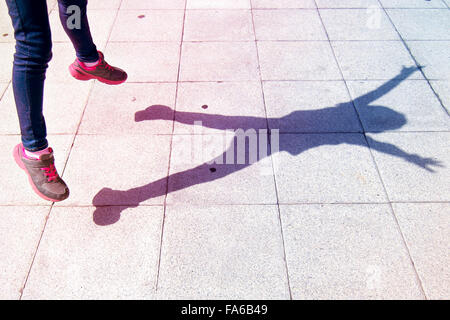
{"x":42,"y":175}
{"x":103,"y":72}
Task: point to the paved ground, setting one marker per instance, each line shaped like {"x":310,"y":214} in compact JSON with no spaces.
{"x":352,"y":201}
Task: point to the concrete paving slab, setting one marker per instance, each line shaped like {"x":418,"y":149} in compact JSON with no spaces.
{"x":341,"y":162}
{"x":6,"y":29}
{"x":410,"y":106}
{"x":136,"y":160}
{"x":346,"y":252}
{"x":118,"y":109}
{"x":51,"y":5}
{"x":219,"y":61}
{"x":55,"y":107}
{"x":425,"y":227}
{"x":413,"y":4}
{"x":8,"y":112}
{"x":337,"y":189}
{"x":421,"y":24}
{"x":19,"y":191}
{"x":100,"y":24}
{"x":78,"y":259}
{"x":214,"y":25}
{"x":310,"y":106}
{"x":433,"y":56}
{"x":156,"y":4}
{"x":442,"y":88}
{"x":248,"y":262}
{"x":309,"y":60}
{"x":413,"y":166}
{"x":342,"y":4}
{"x":63,"y":56}
{"x":374,"y":60}
{"x":283,"y":4}
{"x":218,"y":106}
{"x":193,"y":179}
{"x":63,"y":111}
{"x":146,"y":61}
{"x":160,"y":25}
{"x":288,"y":24}
{"x":218,"y":4}
{"x":102,"y":4}
{"x":3,"y":87}
{"x":358,"y":24}
{"x":6,"y":52}
{"x":20,"y":229}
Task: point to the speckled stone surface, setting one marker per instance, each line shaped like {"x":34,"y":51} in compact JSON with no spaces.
{"x":332,"y":118}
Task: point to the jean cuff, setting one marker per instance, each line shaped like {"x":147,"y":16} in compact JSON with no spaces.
{"x":36,"y":149}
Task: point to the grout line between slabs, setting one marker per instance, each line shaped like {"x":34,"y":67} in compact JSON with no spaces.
{"x":89,"y":93}
{"x":414,"y":58}
{"x":272,"y":162}
{"x":265,"y":40}
{"x":270,"y":9}
{"x":213,"y":133}
{"x":272,"y":80}
{"x":170,"y":152}
{"x":235,"y":204}
{"x":262,"y":89}
{"x":2,"y":95}
{"x":22,"y":289}
{"x":397,"y":224}
{"x":420,"y":282}
{"x":64,"y":169}
{"x":373,"y":158}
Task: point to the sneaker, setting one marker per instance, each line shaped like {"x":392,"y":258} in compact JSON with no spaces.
{"x":42,"y":175}
{"x":103,"y":72}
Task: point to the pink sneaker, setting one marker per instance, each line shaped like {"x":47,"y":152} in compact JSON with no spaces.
{"x":42,"y":175}
{"x":103,"y":72}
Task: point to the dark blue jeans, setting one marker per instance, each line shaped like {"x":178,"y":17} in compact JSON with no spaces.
{"x":34,"y":52}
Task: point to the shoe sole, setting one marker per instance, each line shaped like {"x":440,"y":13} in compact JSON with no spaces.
{"x":79,"y":75}
{"x":18,"y":159}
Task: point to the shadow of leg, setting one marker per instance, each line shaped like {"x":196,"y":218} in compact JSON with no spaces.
{"x":110,"y":203}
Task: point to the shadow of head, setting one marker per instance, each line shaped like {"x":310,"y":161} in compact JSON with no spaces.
{"x":155,"y":112}
{"x":385,"y":119}
{"x":380,"y":117}
{"x":107,"y":215}
{"x":109,"y":205}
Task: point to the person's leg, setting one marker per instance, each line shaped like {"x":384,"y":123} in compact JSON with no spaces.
{"x":90,"y":63}
{"x":33,"y":52}
{"x":73,"y":16}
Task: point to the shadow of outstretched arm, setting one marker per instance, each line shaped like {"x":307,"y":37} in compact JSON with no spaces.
{"x":384,"y":147}
{"x":390,"y":85}
{"x":214,"y":121}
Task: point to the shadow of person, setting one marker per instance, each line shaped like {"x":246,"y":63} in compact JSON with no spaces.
{"x":110,"y":203}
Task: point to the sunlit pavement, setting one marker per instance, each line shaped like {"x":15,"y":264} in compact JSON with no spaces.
{"x":352,"y":200}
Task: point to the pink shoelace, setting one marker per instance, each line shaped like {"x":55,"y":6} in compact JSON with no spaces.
{"x":50,"y":173}
{"x":107,"y":66}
